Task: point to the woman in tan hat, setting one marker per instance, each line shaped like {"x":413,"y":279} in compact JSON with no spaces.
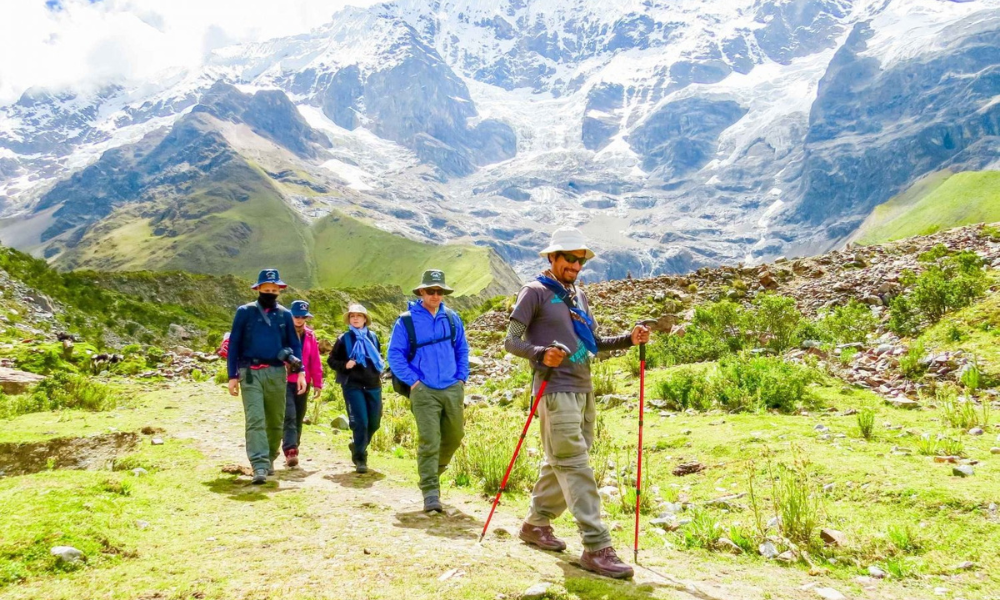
{"x":357,"y":360}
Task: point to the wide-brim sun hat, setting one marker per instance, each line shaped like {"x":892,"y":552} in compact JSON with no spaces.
{"x":269,"y":276}
{"x":357,"y":309}
{"x":433,"y":278}
{"x":567,"y":239}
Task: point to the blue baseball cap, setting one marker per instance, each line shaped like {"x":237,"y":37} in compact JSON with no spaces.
{"x":300,"y":308}
{"x":269,"y":276}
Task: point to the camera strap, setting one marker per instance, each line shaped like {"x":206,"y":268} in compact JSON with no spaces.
{"x":263,"y":314}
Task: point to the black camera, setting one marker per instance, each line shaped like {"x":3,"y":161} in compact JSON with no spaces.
{"x":285,"y":355}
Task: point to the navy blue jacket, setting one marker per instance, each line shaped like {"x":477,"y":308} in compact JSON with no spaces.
{"x":251,"y":338}
{"x":438,"y":366}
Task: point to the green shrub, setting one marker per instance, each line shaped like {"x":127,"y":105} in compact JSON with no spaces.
{"x":776,"y":321}
{"x":626,"y":489}
{"x":910,"y":363}
{"x":866,"y":422}
{"x":398,"y":430}
{"x":797,"y":503}
{"x":69,"y":390}
{"x":703,"y":531}
{"x":990,"y":233}
{"x":962,"y":413}
{"x":934,"y":254}
{"x":955,"y":282}
{"x":604,"y":379}
{"x":482,"y":460}
{"x":972,"y":377}
{"x":904,"y":318}
{"x":904,"y":538}
{"x":62,"y":390}
{"x":847,"y":324}
{"x":685,"y":388}
{"x":751,"y":384}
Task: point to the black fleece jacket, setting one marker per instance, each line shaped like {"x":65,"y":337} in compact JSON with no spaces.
{"x":363,"y":377}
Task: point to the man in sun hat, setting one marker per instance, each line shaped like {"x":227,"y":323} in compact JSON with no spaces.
{"x":261,"y":341}
{"x":295,"y":401}
{"x":552,"y":308}
{"x":428,"y":352}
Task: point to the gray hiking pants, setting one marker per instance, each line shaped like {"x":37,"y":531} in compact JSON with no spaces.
{"x":263,"y":393}
{"x":566,"y":479}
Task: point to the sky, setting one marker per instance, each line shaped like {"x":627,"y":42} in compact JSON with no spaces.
{"x":74,"y":43}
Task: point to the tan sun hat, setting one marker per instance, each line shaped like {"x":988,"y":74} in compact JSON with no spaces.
{"x":567,"y":239}
{"x":357,"y":309}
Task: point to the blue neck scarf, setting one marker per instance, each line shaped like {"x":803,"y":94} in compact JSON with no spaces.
{"x":364,"y":350}
{"x":583,"y":325}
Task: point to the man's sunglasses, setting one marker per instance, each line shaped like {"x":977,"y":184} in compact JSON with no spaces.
{"x":572,"y":258}
{"x":434,"y":292}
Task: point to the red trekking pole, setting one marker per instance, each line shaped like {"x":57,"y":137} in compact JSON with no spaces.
{"x":546,"y":374}
{"x":642,"y":412}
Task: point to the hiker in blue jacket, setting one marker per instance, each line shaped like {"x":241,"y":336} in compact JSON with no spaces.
{"x":261,"y":341}
{"x":436,"y":373}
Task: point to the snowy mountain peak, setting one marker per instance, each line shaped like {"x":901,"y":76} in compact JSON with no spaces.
{"x":677,"y":133}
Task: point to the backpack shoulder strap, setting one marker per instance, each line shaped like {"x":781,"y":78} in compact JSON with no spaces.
{"x":411,"y":332}
{"x":451,"y":321}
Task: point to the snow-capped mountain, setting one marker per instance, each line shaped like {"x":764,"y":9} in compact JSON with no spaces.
{"x":676,"y":133}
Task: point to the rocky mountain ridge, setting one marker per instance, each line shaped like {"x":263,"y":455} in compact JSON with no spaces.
{"x":676,"y":134}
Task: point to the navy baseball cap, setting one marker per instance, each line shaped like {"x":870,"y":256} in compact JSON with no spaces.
{"x":269,"y":276}
{"x":300,"y":308}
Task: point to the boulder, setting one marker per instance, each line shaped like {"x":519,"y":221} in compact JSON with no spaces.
{"x":833,"y":537}
{"x":830,"y":594}
{"x":768,"y":550}
{"x":963,"y":471}
{"x":14,"y":382}
{"x":341,"y":422}
{"x":536,"y":592}
{"x":67,"y":554}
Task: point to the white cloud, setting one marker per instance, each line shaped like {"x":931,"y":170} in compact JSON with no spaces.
{"x":84,"y":42}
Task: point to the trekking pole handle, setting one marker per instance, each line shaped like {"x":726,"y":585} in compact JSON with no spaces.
{"x":547,"y":373}
{"x":642,"y":347}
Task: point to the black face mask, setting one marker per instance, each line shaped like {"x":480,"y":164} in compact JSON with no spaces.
{"x":267,"y":300}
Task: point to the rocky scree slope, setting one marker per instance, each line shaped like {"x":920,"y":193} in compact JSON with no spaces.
{"x":868,"y":274}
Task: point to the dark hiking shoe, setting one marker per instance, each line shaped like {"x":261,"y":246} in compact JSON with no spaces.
{"x":543,"y":537}
{"x":432,"y":504}
{"x":270,"y":470}
{"x":361,"y":467}
{"x":606,"y":563}
{"x":259,"y":477}
{"x":292,"y":457}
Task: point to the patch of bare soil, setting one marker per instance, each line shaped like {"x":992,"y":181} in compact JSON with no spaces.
{"x":94,"y":452}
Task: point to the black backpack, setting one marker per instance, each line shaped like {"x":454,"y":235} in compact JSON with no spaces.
{"x":398,"y":385}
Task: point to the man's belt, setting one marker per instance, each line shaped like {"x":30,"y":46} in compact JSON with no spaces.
{"x":257,"y":362}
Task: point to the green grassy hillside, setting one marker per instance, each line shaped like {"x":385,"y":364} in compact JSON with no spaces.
{"x":939,"y":201}
{"x":336,"y":252}
{"x":350,"y":253}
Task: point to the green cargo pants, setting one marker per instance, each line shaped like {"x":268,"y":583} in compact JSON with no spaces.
{"x":566,"y":479}
{"x":439,"y":416}
{"x":264,"y":407}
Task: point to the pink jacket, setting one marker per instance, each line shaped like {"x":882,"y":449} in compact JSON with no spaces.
{"x":311,"y":363}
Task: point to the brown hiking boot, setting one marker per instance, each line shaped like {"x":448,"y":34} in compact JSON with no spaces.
{"x":543,"y":537}
{"x":606,"y":563}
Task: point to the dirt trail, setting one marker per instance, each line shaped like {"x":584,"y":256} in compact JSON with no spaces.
{"x":390,"y":504}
